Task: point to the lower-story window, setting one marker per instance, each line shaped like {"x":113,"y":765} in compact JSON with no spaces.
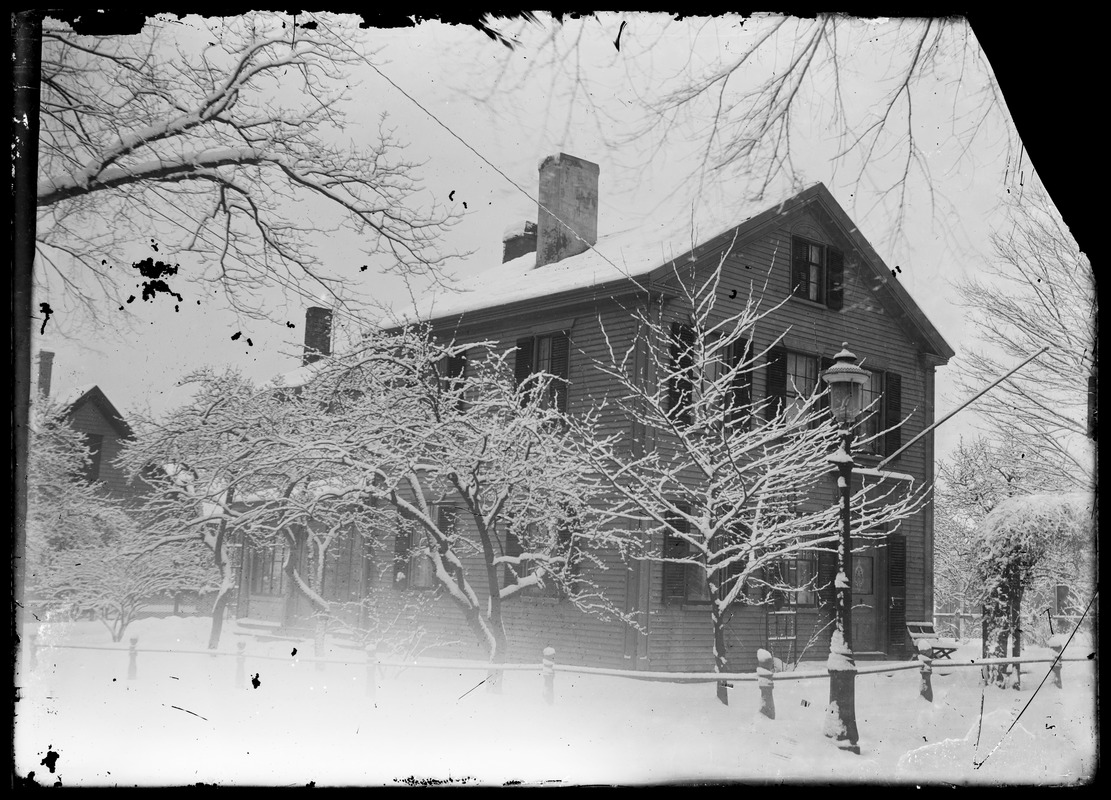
{"x":792,"y":580}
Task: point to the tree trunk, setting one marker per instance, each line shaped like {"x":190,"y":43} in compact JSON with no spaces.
{"x":717,"y":622}
{"x":227,"y":584}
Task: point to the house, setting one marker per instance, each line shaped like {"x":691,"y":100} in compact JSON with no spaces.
{"x":561,"y":285}
{"x":92,"y":414}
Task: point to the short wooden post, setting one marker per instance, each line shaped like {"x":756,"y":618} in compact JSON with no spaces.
{"x":240,"y":665}
{"x":371,"y":670}
{"x":547,"y":668}
{"x":33,"y":652}
{"x":765,"y":678}
{"x":925,"y":656}
{"x":133,"y":659}
{"x":1057,"y":644}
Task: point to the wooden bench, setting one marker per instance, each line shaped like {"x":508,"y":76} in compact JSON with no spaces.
{"x":924,"y":631}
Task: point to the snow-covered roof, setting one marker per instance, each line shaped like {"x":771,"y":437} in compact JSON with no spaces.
{"x":517,"y":229}
{"x":631,"y":253}
{"x":295,"y":377}
{"x":70,"y":397}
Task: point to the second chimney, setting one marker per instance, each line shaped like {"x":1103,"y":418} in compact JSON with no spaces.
{"x":46,"y":371}
{"x":568,"y":202}
{"x":518,"y":240}
{"x":318,"y":334}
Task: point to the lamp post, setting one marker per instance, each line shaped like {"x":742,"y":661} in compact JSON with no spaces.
{"x":846,"y":388}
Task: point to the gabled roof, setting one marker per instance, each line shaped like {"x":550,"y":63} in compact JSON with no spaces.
{"x":644,"y":258}
{"x":76,"y":398}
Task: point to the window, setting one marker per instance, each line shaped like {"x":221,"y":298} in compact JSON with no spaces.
{"x":563,"y":546}
{"x":551,"y":354}
{"x":453,"y":371}
{"x":817,"y":272}
{"x":802,"y":380}
{"x":687,"y":583}
{"x":94,"y":443}
{"x":882,"y":403}
{"x":793,"y":581}
{"x":268,"y":569}
{"x":412,"y":567}
{"x":686,"y":384}
{"x":791,"y":379}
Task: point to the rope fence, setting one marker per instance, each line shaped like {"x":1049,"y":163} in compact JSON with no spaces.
{"x":547,"y":668}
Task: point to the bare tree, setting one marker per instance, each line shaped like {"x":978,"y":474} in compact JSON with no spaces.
{"x":82,"y":545}
{"x":236,"y":467}
{"x":980,"y":478}
{"x":1038,"y":290}
{"x":482,"y":471}
{"x":726,"y":482}
{"x":750,"y":94}
{"x":229,"y":142}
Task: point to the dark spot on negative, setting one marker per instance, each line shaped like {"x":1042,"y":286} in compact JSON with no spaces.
{"x":294,"y":652}
{"x":255,"y":681}
{"x":290,"y":325}
{"x":51,"y":759}
{"x":236,"y":335}
{"x":46,"y":311}
{"x":154,"y":270}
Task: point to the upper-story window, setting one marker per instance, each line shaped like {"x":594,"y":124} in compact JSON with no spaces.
{"x":817,"y":272}
{"x":550,"y":353}
{"x":687,"y":383}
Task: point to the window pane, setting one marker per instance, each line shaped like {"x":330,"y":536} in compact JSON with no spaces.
{"x":544,"y":354}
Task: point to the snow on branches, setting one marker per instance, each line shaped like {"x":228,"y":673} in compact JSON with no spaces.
{"x":219,"y":139}
{"x":726,"y":489}
{"x":85,"y":551}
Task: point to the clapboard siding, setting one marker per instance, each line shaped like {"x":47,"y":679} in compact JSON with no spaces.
{"x":87,"y":418}
{"x":679,"y":637}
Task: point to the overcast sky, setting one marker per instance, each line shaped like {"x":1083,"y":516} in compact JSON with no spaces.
{"x":447,"y":69}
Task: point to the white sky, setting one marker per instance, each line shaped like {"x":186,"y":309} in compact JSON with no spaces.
{"x":434,"y":63}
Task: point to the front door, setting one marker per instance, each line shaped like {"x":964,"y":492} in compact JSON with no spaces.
{"x":865,"y":613}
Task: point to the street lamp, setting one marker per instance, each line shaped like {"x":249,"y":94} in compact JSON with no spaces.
{"x":846,"y":390}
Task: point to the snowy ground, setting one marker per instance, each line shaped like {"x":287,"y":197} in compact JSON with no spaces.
{"x":183,"y":721}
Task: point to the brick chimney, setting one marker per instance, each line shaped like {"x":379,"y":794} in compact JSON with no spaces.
{"x":318,"y":334}
{"x":46,"y":371}
{"x":569,"y":190}
{"x":518,"y":240}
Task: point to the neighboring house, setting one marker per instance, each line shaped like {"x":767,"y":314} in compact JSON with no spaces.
{"x":554,"y":294}
{"x":93,"y":415}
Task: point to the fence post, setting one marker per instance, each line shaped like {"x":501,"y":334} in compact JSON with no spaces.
{"x":33,"y":652}
{"x":240,"y":665}
{"x":765,"y":678}
{"x":547,"y":668}
{"x":133,"y":659}
{"x":371,"y":670}
{"x":925,"y":656}
{"x":1057,"y":644}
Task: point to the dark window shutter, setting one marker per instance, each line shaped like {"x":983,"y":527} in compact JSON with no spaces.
{"x":776,"y":381}
{"x":827,"y":574}
{"x":513,"y":549}
{"x":893,"y":411}
{"x":800,"y":267}
{"x":742,"y":381}
{"x":561,"y":356}
{"x":675,"y":575}
{"x":835,"y":279}
{"x":523,"y":367}
{"x":456,"y":366}
{"x":896,"y":589}
{"x":680,"y":386}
